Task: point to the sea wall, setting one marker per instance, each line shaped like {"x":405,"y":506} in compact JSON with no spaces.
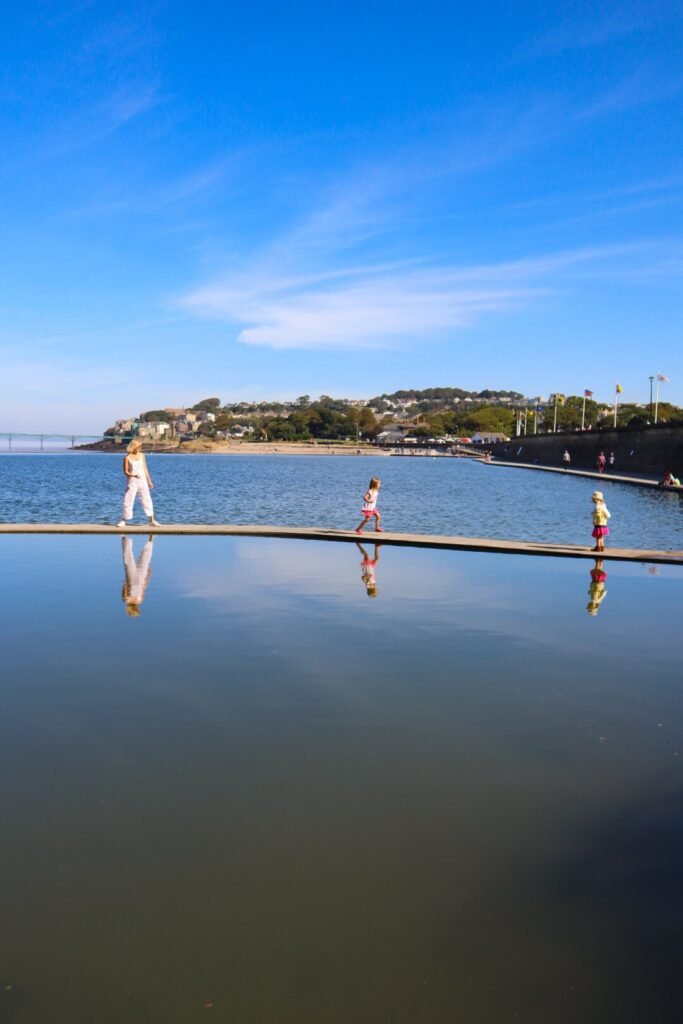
{"x":651,"y":450}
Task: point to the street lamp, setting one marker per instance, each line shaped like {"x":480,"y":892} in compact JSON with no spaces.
{"x":651,"y":379}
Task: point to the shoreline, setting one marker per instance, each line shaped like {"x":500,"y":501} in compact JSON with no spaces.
{"x":240,"y":448}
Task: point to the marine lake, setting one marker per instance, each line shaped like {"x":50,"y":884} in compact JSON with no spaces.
{"x":260,"y":780}
{"x":421,"y":495}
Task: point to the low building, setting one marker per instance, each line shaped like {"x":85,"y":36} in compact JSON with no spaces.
{"x":391,"y":436}
{"x":487,"y":438}
{"x":154,"y":430}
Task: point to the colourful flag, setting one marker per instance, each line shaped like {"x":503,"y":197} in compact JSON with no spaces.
{"x":619,"y":389}
{"x":587,"y":394}
{"x":660,"y":376}
{"x":560,"y":399}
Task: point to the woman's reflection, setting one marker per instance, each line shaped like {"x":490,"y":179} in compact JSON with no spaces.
{"x":137,"y":574}
{"x":367,"y":569}
{"x":596,"y":590}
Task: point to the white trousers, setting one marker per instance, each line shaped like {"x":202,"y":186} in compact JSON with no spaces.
{"x":137,"y":572}
{"x":137,"y":487}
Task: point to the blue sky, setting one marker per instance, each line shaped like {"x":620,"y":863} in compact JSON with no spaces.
{"x":267,"y":200}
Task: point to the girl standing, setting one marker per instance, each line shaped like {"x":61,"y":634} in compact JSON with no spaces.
{"x":600,"y":516}
{"x":138,"y":484}
{"x":370,"y":510}
{"x":596,"y":591}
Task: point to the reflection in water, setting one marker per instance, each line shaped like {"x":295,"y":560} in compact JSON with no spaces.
{"x":367,"y":567}
{"x":596,"y":590}
{"x":138,"y":573}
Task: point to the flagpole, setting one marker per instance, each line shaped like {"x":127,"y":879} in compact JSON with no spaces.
{"x":555,"y":416}
{"x":656,"y":396}
{"x":583,"y":411}
{"x":616,"y":400}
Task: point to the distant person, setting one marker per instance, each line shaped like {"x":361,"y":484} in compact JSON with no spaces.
{"x":601,"y":462}
{"x":566,"y":459}
{"x":669,"y":480}
{"x":137,"y":575}
{"x":600,"y":516}
{"x":138,"y":484}
{"x":596,"y":590}
{"x":610,"y":460}
{"x":370,"y":510}
{"x":367,"y":569}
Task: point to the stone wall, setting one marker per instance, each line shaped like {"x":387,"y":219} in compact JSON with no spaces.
{"x":651,"y":450}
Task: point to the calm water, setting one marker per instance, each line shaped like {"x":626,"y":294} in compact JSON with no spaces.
{"x":422,"y":495}
{"x":269,"y":797}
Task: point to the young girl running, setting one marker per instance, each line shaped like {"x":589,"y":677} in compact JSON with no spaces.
{"x":370,"y":510}
{"x":138,"y":483}
{"x":600,"y":516}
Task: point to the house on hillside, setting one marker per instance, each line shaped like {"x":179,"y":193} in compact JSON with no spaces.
{"x":154,"y":431}
{"x":408,"y":423}
{"x":126,"y":428}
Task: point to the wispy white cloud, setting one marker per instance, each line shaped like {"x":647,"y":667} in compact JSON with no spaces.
{"x":649,"y":186}
{"x":332,"y":281}
{"x":646,"y":85}
{"x":378,"y":306}
{"x":600,"y":29}
{"x":106,"y":116}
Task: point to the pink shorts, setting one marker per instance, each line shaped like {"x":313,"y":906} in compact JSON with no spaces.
{"x":600,"y":531}
{"x":369,"y":513}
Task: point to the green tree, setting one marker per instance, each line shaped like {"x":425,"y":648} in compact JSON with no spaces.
{"x":494,"y":419}
{"x":155,"y":416}
{"x":223,"y":420}
{"x":207,"y":405}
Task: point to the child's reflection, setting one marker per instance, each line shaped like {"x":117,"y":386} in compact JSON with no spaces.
{"x":367,"y":568}
{"x":596,"y":590}
{"x":137,"y":574}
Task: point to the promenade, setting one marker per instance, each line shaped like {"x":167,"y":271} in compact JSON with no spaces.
{"x":639,"y":481}
{"x":413,"y":540}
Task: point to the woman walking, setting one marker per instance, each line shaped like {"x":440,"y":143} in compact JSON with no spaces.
{"x":137,"y":573}
{"x":138,"y":484}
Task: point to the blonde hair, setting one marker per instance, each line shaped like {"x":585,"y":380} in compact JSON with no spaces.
{"x":134,"y":446}
{"x":374,"y":483}
{"x":132,"y":607}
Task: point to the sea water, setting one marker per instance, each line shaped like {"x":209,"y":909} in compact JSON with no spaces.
{"x":299,"y":782}
{"x":421,"y":495}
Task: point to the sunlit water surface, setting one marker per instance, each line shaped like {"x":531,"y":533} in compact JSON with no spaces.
{"x":422,"y":495}
{"x":234,"y":785}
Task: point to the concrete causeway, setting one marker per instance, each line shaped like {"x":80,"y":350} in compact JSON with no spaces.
{"x":413,"y":540}
{"x":639,"y":481}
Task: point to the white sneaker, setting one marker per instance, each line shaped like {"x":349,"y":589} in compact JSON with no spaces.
{"x":121,"y":524}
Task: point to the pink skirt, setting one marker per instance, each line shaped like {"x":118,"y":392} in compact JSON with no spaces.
{"x":369,"y":512}
{"x":600,"y":531}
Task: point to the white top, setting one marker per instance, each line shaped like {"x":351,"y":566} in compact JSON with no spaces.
{"x":136,"y":465}
{"x":371,"y":505}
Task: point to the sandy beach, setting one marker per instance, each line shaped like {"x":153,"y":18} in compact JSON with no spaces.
{"x":204,"y":446}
